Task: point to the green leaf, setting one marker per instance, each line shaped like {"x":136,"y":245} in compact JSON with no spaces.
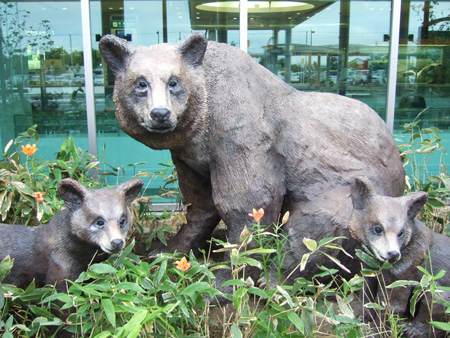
{"x":285,"y":295}
{"x":129,"y":286}
{"x":161,"y":271}
{"x":41,"y":312}
{"x":125,"y":253}
{"x":237,"y":282}
{"x":258,"y":251}
{"x":110,"y":312}
{"x":104,"y":334}
{"x":7,"y":334}
{"x":374,"y":306}
{"x":193,"y":289}
{"x":295,"y":319}
{"x":5,"y":267}
{"x":2,"y":297}
{"x":249,"y":261}
{"x":129,"y":328}
{"x":402,"y":283}
{"x":435,"y":203}
{"x":304,"y":261}
{"x":258,"y":292}
{"x":102,"y":268}
{"x":441,"y":325}
{"x":425,"y":281}
{"x":235,"y":332}
{"x":310,"y":243}
{"x":239,"y":297}
{"x":367,"y":259}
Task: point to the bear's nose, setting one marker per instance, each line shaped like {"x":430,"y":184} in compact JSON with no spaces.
{"x":117,"y":244}
{"x":160,"y":114}
{"x":393,"y":256}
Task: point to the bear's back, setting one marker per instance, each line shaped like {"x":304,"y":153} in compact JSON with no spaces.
{"x":322,"y":136}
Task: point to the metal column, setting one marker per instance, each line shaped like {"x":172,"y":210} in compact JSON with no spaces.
{"x":394,"y":42}
{"x":88,"y":76}
{"x":243,"y":24}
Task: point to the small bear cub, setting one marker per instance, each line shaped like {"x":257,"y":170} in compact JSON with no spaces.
{"x":93,"y":220}
{"x":389,"y":228}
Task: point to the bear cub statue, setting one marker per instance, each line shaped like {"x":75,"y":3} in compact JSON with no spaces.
{"x":388,"y":227}
{"x":93,"y":221}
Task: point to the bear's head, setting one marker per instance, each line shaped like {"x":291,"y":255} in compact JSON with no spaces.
{"x":154,"y":85}
{"x":382,"y":223}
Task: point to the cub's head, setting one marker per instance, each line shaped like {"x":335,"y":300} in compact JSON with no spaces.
{"x":153,"y":85}
{"x":100,"y":217}
{"x":383,"y":223}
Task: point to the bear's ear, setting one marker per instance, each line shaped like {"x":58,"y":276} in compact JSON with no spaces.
{"x":361,"y":192}
{"x":130,"y":189}
{"x":72,"y":192}
{"x":193,"y":49}
{"x":414,"y":202}
{"x":115,"y":51}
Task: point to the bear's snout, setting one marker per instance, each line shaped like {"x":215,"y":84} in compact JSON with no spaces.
{"x":160,"y":114}
{"x":393,"y":256}
{"x":117,"y":245}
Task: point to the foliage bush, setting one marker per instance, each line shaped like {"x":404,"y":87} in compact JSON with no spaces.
{"x":173,"y":295}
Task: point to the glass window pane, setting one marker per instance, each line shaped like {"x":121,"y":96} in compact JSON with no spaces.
{"x":330,"y":46}
{"x":43,"y":78}
{"x":423,"y":79}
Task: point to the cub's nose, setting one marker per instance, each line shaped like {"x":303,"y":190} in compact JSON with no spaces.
{"x":393,"y":256}
{"x":117,"y":245}
{"x":160,"y":114}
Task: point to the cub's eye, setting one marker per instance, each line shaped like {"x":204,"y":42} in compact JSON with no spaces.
{"x":401,"y":233}
{"x":122,"y":221}
{"x":378,"y":230}
{"x":99,"y":223}
{"x":173,"y":84}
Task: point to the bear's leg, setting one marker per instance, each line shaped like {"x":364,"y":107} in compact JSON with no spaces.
{"x":236,"y":200}
{"x":202,"y":216}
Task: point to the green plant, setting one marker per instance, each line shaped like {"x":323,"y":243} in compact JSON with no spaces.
{"x":125,"y":297}
{"x":422,"y":146}
{"x":28,"y":185}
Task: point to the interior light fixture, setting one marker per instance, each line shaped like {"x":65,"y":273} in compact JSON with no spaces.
{"x":256,"y":6}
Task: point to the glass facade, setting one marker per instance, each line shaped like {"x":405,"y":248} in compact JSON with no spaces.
{"x":333,"y":46}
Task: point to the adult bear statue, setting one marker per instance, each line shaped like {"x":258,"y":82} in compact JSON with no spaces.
{"x":241,"y":138}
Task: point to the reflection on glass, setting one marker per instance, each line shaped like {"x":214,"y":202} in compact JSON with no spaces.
{"x":43,"y":78}
{"x":423,"y":80}
{"x":336,"y":47}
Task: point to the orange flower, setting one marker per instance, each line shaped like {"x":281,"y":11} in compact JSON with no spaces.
{"x":39,"y":197}
{"x":183,"y":265}
{"x":29,"y":150}
{"x":257,"y":215}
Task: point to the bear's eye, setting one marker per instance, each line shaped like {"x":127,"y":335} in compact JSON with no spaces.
{"x":400,"y":234}
{"x":173,"y":85}
{"x":122,"y":221}
{"x":378,"y":230}
{"x":99,"y":223}
{"x":142,"y":85}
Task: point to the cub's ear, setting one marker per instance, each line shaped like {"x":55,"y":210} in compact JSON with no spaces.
{"x":361,"y":192}
{"x":115,"y":51}
{"x":193,"y":49}
{"x":130,"y":189}
{"x":414,"y":202}
{"x":72,"y":192}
